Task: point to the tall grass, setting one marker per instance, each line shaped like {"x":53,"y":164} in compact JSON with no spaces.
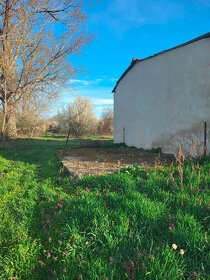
{"x":135,"y":224}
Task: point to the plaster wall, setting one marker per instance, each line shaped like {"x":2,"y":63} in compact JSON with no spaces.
{"x":163,"y":101}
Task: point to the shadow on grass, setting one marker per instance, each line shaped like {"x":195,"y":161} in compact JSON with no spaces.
{"x":37,"y":151}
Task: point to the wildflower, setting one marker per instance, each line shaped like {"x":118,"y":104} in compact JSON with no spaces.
{"x":60,"y":242}
{"x":49,"y":239}
{"x":60,"y":205}
{"x":86,"y":243}
{"x":32,"y":243}
{"x":181,"y":252}
{"x":129,"y":236}
{"x":137,"y":236}
{"x":156,"y":248}
{"x":79,"y":276}
{"x":111,"y":259}
{"x":138,"y":255}
{"x":151,"y":256}
{"x":170,"y":228}
{"x":194,"y":273}
{"x":64,"y":270}
{"x":41,"y":262}
{"x":106,"y":278}
{"x":145,"y":268}
{"x":48,"y":221}
{"x":132,"y":263}
{"x":127,"y":222}
{"x":65,"y":253}
{"x":171,"y":225}
{"x":174,"y":246}
{"x":60,"y":196}
{"x":67,"y":245}
{"x":42,"y":213}
{"x":54,"y":258}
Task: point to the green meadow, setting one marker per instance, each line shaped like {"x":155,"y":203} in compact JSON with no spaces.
{"x":134,"y":224}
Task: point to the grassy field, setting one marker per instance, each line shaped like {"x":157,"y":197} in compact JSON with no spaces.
{"x":136,"y":224}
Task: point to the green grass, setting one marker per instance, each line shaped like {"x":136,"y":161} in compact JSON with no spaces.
{"x":119,"y":226}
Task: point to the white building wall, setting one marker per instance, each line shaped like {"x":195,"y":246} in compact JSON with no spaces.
{"x":163,"y":101}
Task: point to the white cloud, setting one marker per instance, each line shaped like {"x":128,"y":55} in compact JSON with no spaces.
{"x":85,"y":82}
{"x":102,"y":101}
{"x":66,"y":99}
{"x":99,"y":91}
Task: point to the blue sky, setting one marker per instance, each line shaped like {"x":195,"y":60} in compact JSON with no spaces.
{"x":127,"y":29}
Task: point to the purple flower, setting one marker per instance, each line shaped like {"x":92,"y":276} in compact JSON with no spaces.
{"x":132,"y":263}
{"x":54,"y":258}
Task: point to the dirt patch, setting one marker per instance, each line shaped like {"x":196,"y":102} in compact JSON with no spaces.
{"x":96,"y":161}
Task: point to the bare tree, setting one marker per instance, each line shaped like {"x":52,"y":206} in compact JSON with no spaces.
{"x":30,"y":112}
{"x":33,"y":58}
{"x":79,"y":117}
{"x":105,"y":125}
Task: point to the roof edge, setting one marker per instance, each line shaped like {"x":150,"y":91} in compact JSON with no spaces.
{"x":135,"y":60}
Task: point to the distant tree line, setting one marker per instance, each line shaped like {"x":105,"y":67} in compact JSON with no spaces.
{"x":77,"y":116}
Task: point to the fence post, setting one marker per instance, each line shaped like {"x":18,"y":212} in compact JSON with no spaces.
{"x":123,"y":135}
{"x":67,"y":139}
{"x":205,"y":138}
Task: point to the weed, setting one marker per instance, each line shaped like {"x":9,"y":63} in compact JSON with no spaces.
{"x":135,"y":224}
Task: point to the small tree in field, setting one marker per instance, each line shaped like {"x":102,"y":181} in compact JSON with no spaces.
{"x":105,"y":125}
{"x":79,"y":117}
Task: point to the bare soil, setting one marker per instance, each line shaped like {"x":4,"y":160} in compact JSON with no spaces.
{"x":96,"y":161}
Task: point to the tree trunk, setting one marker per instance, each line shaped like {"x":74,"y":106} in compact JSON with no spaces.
{"x":9,"y":128}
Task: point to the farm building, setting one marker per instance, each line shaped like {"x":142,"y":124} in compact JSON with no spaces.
{"x":164,"y":100}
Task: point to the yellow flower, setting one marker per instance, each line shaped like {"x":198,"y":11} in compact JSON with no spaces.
{"x":174,"y":246}
{"x":181,"y":252}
